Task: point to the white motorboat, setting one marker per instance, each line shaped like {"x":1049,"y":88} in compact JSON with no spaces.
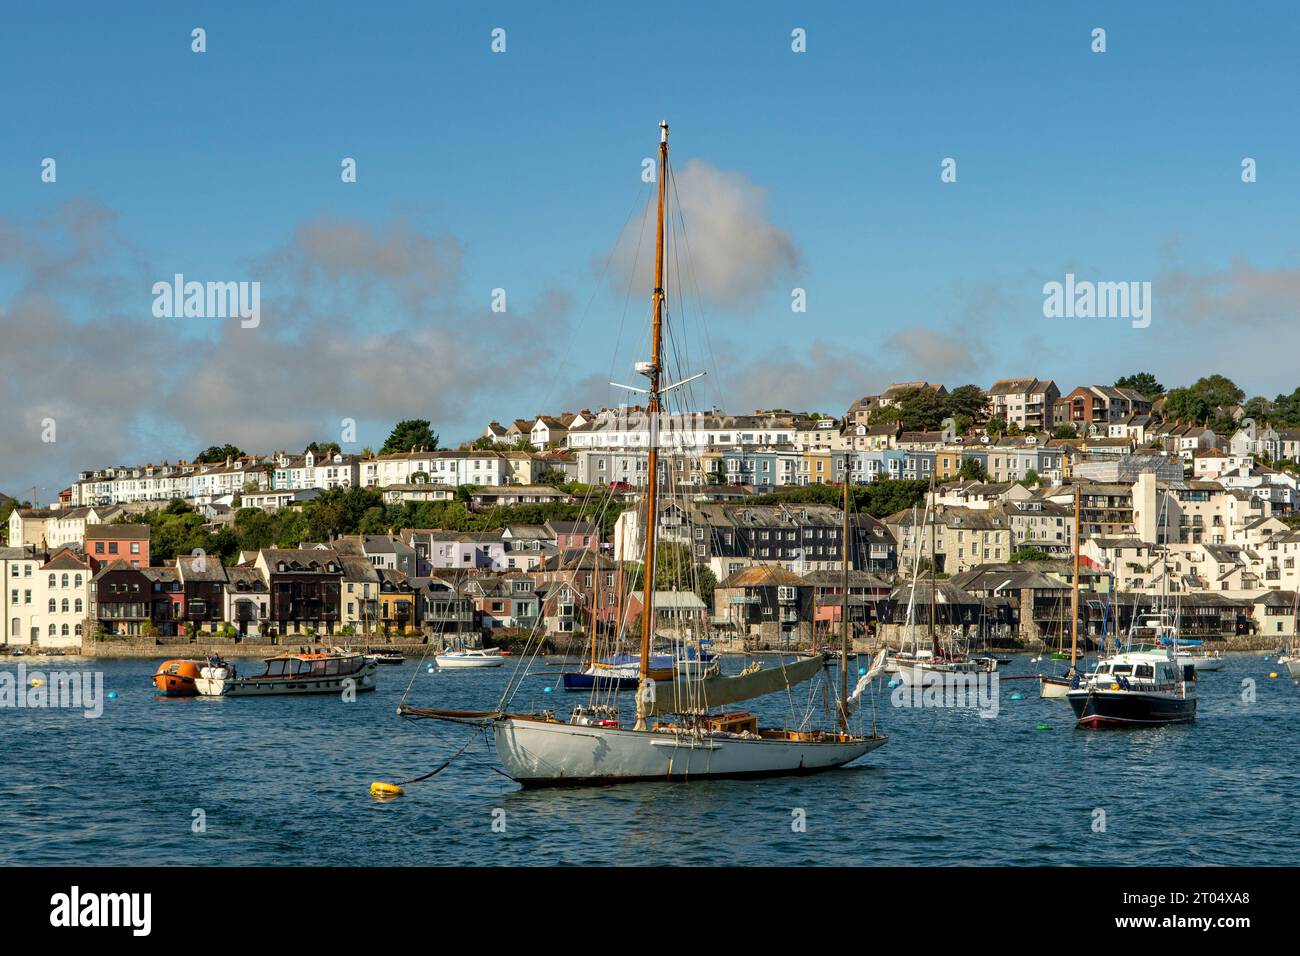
{"x":471,"y":657}
{"x":1136,"y":688}
{"x":326,"y":673}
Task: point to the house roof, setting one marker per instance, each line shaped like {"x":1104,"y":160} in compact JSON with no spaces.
{"x":65,"y":560}
{"x":116,"y":532}
{"x":763,"y":576}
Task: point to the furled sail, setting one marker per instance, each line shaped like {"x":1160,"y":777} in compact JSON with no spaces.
{"x":685,"y":695}
{"x":875,"y":670}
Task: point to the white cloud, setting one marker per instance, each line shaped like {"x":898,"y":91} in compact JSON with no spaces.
{"x":736,"y":254}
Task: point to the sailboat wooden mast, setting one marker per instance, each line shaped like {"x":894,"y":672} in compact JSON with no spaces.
{"x":652,"y":464}
{"x":934,"y":643}
{"x":1074,"y":603}
{"x":844,"y":610}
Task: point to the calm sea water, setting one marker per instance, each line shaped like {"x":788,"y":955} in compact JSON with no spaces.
{"x":285,"y":781}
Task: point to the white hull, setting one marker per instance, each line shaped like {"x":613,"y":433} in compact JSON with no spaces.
{"x":1053,"y":689}
{"x":361,"y":680}
{"x":537,"y":753}
{"x":446,"y":661}
{"x":1292,"y":665}
{"x":914,"y":673}
{"x":1201,"y":663}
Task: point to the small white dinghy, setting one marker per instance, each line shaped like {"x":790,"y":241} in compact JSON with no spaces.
{"x":475,"y":657}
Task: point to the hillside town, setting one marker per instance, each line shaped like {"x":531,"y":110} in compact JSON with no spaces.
{"x":538,"y":524}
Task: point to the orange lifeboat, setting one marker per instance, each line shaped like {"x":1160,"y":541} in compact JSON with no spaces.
{"x":176,"y":678}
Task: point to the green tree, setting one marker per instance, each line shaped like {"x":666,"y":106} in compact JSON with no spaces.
{"x":218,"y":453}
{"x":1258,"y":408}
{"x":968,"y":401}
{"x":412,"y":433}
{"x":325,"y":449}
{"x":552,"y":476}
{"x":1144,"y":383}
{"x":1029,"y":553}
{"x":972,"y":469}
{"x":485,"y":443}
{"x":374,"y":521}
{"x":921,"y":409}
{"x":1066,"y":431}
{"x":1218,"y":390}
{"x":1185,"y":405}
{"x":6,"y":509}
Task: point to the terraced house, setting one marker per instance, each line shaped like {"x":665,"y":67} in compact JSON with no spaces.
{"x":305,"y":589}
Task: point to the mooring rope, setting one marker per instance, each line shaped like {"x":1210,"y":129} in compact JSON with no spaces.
{"x":445,"y":764}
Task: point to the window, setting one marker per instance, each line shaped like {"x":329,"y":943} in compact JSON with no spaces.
{"x":53,"y":605}
{"x":77,"y":605}
{"x":52,"y":578}
{"x":99,"y":547}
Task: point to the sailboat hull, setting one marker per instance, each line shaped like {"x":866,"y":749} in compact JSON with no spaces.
{"x":1053,"y":688}
{"x":1095,"y":709}
{"x":540,"y":754}
{"x":1293,"y":667}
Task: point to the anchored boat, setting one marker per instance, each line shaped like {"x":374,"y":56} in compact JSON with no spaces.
{"x":1056,"y":688}
{"x":324,"y":673}
{"x":472,"y":657}
{"x":1135,"y":688}
{"x":694,"y":740}
{"x":176,"y":678}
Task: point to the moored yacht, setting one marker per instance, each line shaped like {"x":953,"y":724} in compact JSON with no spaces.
{"x":325,"y":673}
{"x":1135,"y":688}
{"x":694,"y":740}
{"x":471,"y":657}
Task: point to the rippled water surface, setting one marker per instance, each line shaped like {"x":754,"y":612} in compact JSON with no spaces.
{"x":284,"y":780}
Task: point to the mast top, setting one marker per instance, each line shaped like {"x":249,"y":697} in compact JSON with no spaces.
{"x":663,"y":131}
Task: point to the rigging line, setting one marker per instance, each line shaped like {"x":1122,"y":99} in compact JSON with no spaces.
{"x":700,"y":319}
{"x":568,"y":349}
{"x":515,"y":683}
{"x":627,"y":297}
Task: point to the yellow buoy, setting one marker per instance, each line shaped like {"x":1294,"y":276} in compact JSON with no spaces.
{"x":386,"y":790}
{"x":1273,"y":674}
{"x":37,"y":682}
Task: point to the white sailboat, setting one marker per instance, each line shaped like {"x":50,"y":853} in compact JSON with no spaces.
{"x":912,"y":665}
{"x":1056,"y":688}
{"x":1290,"y":658}
{"x":593,"y":747}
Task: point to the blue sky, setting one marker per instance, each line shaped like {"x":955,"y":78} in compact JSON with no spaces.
{"x":520,"y":169}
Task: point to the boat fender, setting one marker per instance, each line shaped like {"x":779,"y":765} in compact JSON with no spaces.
{"x":648,"y":692}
